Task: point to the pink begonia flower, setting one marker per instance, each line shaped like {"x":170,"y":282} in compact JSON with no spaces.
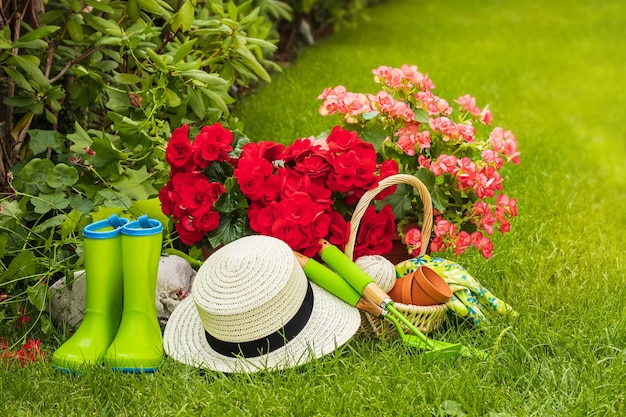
{"x":489,"y":156}
{"x":485,"y":116}
{"x":445,"y":126}
{"x":383,"y":101}
{"x":444,"y":228}
{"x":413,"y":239}
{"x":355,"y":104}
{"x":387,"y":75}
{"x":468,"y":104}
{"x":462,"y":242}
{"x":407,"y":144}
{"x":444,"y":163}
{"x":488,"y":181}
{"x":465,"y":173}
{"x":486,"y":247}
{"x":437,"y":245}
{"x":423,"y":138}
{"x":423,"y":161}
{"x":508,"y":205}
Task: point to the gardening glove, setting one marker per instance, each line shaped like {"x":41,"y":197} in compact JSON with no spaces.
{"x":470,"y":298}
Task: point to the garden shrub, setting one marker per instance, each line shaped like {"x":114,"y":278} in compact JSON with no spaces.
{"x":92,"y":91}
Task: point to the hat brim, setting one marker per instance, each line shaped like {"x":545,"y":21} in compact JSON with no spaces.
{"x":332,"y":323}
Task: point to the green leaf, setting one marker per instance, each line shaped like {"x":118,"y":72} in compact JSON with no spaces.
{"x":41,"y":140}
{"x":49,"y":223}
{"x":440,"y":200}
{"x":427,"y":177}
{"x":252,"y":63}
{"x":114,"y":200}
{"x":37,"y":295}
{"x":216,"y":98}
{"x":196,"y":102}
{"x":39,"y":33}
{"x":62,"y":176}
{"x":23,"y":265}
{"x":136,"y":184}
{"x":34,"y":44}
{"x":400,"y":201}
{"x":370,"y":115}
{"x":35,"y":172}
{"x":172,"y":98}
{"x":106,"y":153}
{"x":421,"y":115}
{"x":71,"y":224}
{"x":375,"y":134}
{"x":75,"y":28}
{"x":80,"y":204}
{"x":4,"y":239}
{"x":184,"y":18}
{"x":51,"y":201}
{"x":232,"y":200}
{"x":31,"y":69}
{"x":183,"y":51}
{"x":151,"y":208}
{"x":128,"y":79}
{"x":118,"y":100}
{"x":231,"y":228}
{"x":205,"y":77}
{"x":19,"y":79}
{"x":80,"y":138}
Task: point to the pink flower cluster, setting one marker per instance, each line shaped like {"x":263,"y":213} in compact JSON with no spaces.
{"x":423,"y":132}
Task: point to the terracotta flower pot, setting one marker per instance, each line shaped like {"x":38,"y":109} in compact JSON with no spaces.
{"x":401,"y":291}
{"x":423,"y":287}
{"x":429,"y":288}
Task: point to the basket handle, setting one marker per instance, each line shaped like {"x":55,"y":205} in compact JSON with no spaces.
{"x":369,"y":195}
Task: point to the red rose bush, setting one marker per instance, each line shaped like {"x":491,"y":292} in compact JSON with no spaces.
{"x":300,"y":193}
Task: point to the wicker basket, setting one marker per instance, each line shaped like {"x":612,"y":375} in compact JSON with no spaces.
{"x":426,"y":318}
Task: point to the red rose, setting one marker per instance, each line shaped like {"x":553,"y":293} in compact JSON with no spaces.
{"x":198,"y":192}
{"x":187,"y":232}
{"x":178,"y":150}
{"x":315,"y":166}
{"x":164,"y":197}
{"x":339,"y":230}
{"x":375,"y":232}
{"x":388,"y":168}
{"x":269,"y":151}
{"x":212,"y":144}
{"x":263,"y":217}
{"x":341,"y":140}
{"x":290,"y":233}
{"x":250,"y":182}
{"x":320,"y":226}
{"x":299,"y":208}
{"x":205,"y":219}
{"x":297,"y":151}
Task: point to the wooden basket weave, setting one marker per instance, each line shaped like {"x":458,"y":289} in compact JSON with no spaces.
{"x":426,"y":318}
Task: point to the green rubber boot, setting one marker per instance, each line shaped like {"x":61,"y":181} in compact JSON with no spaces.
{"x":138,"y":345}
{"x":102,"y":247}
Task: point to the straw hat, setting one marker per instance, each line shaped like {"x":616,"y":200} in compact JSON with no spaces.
{"x":252,"y":308}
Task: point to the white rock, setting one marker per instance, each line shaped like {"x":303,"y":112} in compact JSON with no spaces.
{"x":174,"y":280}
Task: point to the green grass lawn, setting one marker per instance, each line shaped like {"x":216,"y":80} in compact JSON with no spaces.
{"x":553,"y":73}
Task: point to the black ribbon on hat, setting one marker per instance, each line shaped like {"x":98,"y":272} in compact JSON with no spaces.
{"x":271,"y":342}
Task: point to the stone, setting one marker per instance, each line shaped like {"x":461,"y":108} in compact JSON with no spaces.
{"x":174,"y":280}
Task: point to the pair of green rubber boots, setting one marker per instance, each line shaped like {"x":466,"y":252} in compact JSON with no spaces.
{"x":120,"y":327}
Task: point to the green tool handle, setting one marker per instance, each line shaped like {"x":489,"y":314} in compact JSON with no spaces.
{"x":334,"y":284}
{"x":352,"y":273}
